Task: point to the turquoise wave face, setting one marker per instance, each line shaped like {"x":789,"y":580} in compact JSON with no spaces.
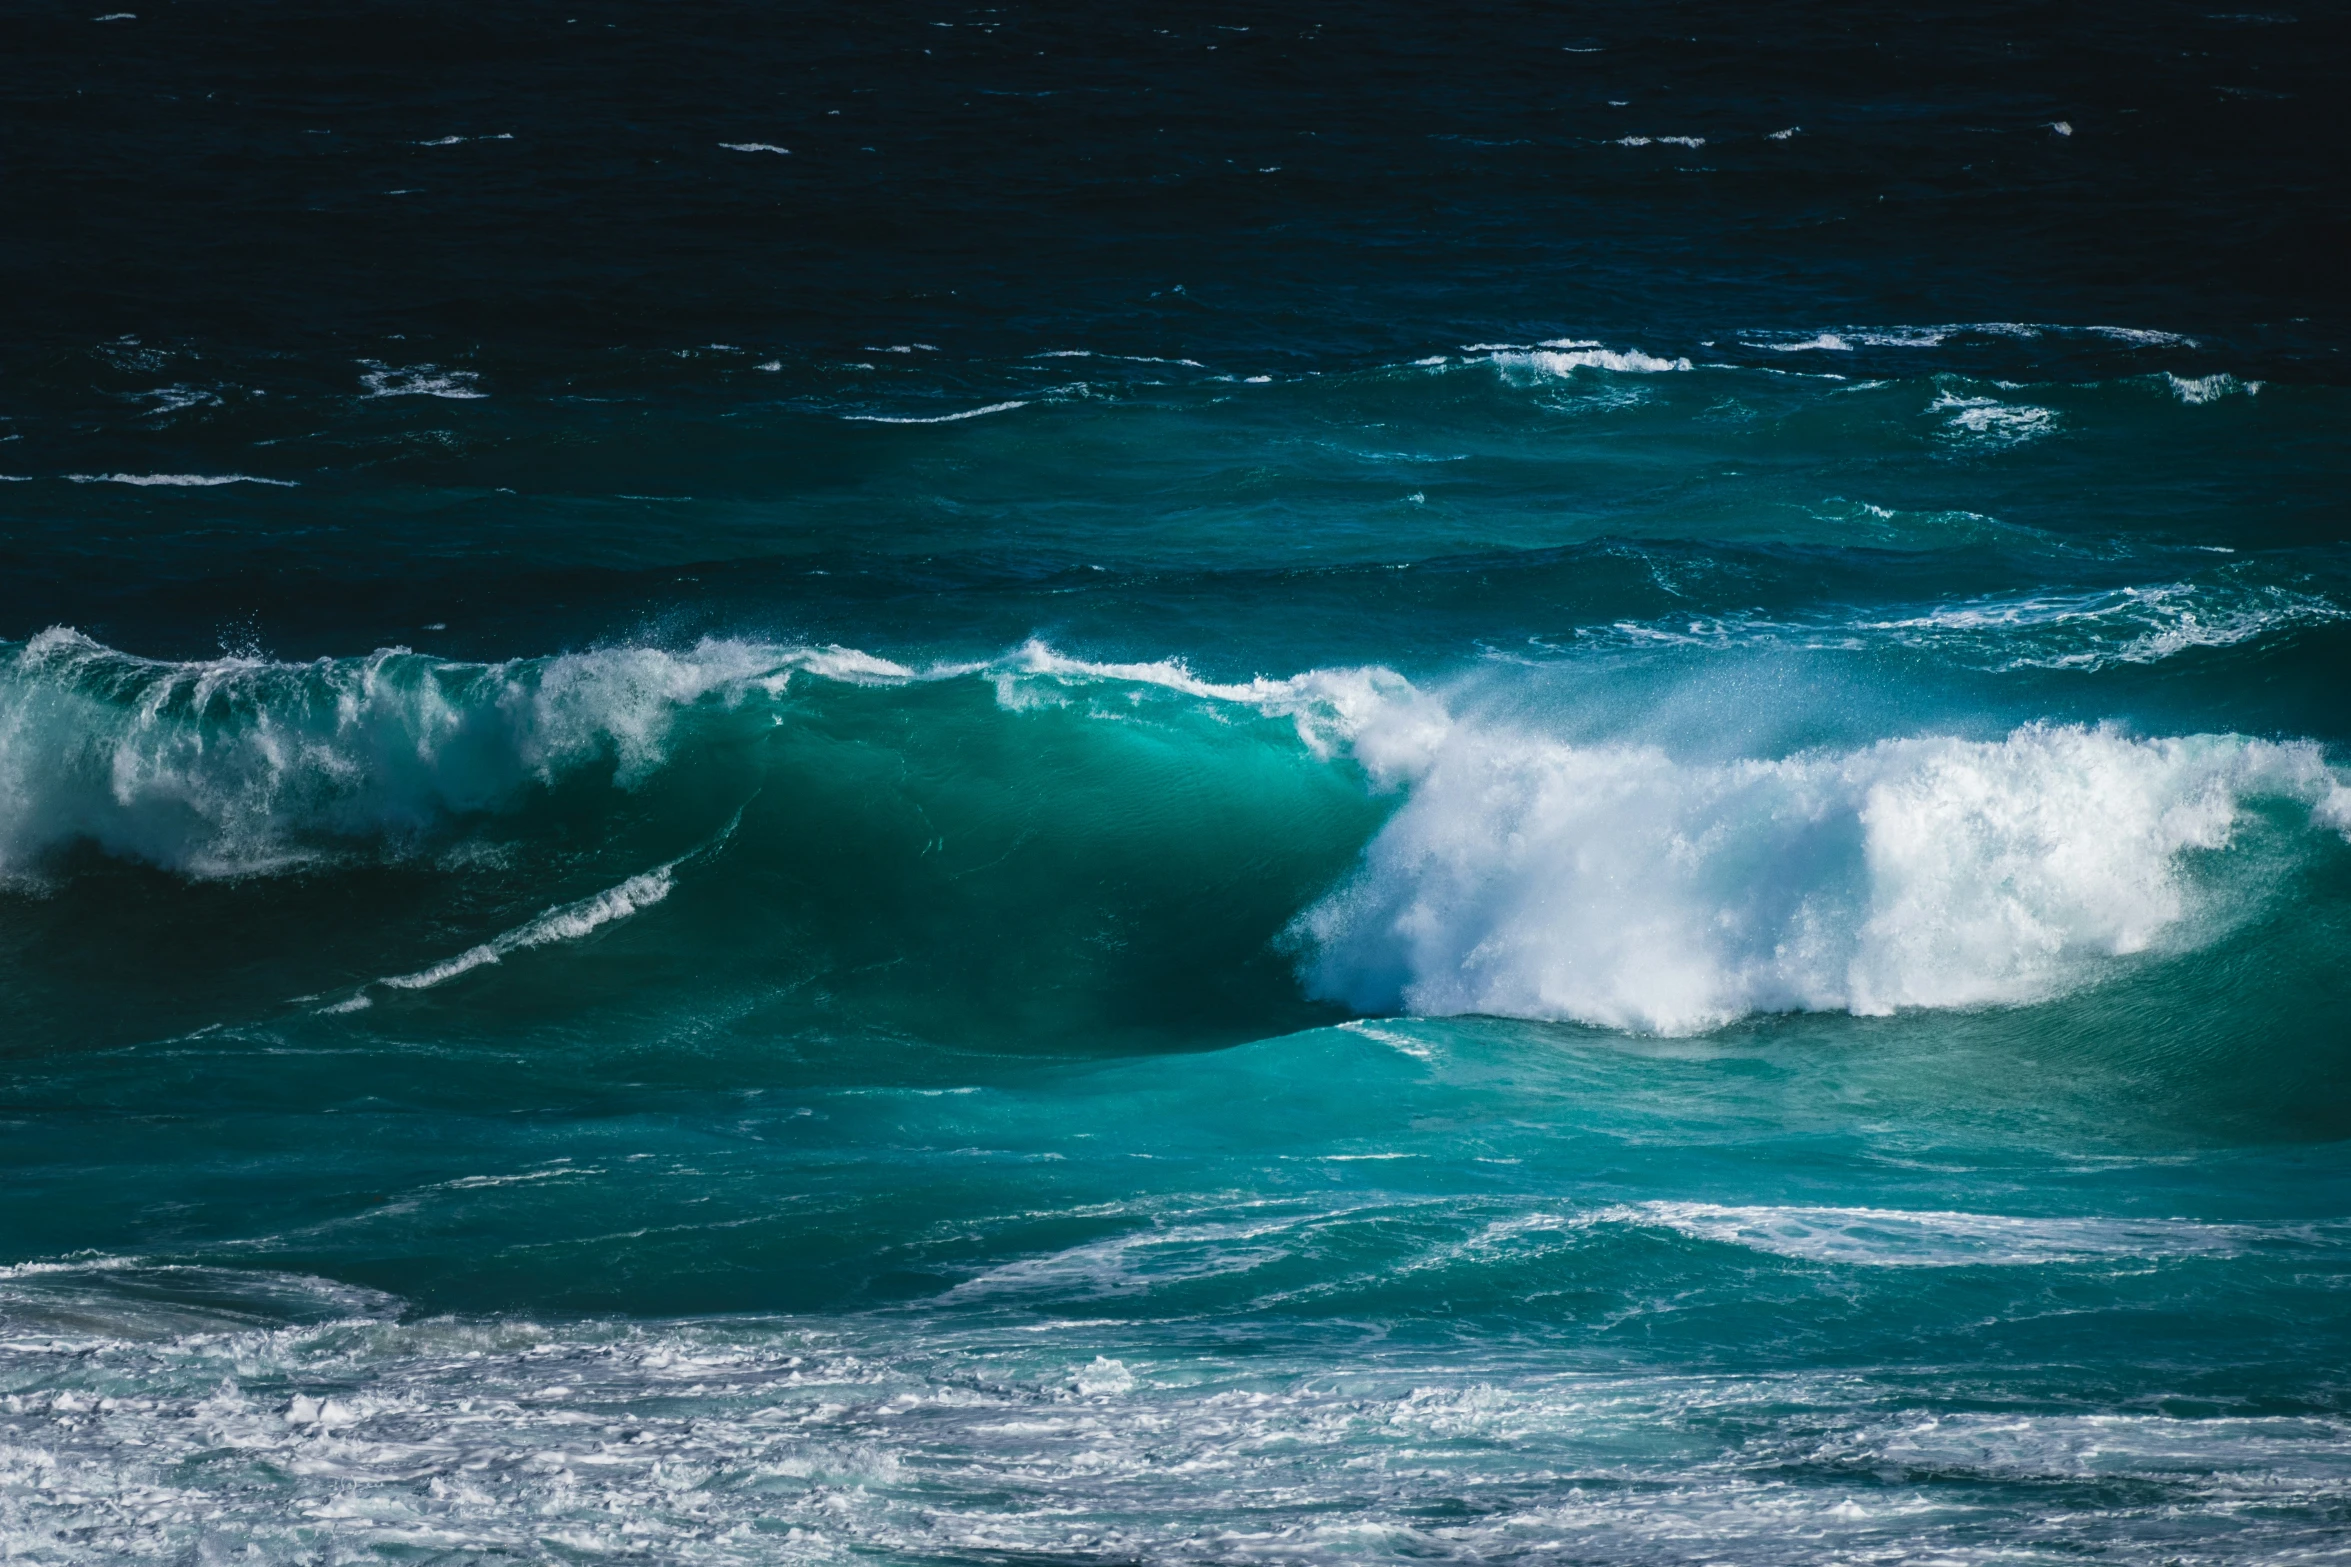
{"x":1564,"y":949}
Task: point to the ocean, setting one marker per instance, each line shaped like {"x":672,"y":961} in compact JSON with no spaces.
{"x":1024,"y":785}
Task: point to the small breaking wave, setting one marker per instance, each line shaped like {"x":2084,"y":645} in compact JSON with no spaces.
{"x":1561,"y":359}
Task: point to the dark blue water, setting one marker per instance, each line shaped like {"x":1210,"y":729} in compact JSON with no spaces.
{"x":1009,"y":786}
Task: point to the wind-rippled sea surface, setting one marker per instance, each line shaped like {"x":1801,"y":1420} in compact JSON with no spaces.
{"x":1013,"y":785}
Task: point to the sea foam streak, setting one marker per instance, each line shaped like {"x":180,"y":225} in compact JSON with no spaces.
{"x":566,"y":922}
{"x":1905,"y":1238}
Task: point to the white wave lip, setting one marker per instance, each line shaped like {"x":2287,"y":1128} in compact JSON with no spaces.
{"x":1613,"y":885}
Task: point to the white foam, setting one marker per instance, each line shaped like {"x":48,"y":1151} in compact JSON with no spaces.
{"x":183,"y":481}
{"x":968,"y":413}
{"x":1615,"y":885}
{"x":382,"y":380}
{"x":1785,"y":135}
{"x":1990,"y":422}
{"x":755,"y":146}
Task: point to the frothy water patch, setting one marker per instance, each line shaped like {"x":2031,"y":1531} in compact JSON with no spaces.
{"x":383,"y":380}
{"x":1987,"y":421}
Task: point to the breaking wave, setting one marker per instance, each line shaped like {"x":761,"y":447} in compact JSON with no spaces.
{"x":1615,"y":885}
{"x":1607,"y":883}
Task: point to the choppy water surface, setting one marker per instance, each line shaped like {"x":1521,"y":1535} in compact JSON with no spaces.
{"x":1005,"y":788}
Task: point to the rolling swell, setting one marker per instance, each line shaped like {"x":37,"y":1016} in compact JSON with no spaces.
{"x":1038,"y":848}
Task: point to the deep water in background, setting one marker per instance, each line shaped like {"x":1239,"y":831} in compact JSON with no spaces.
{"x":1008,"y":785}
